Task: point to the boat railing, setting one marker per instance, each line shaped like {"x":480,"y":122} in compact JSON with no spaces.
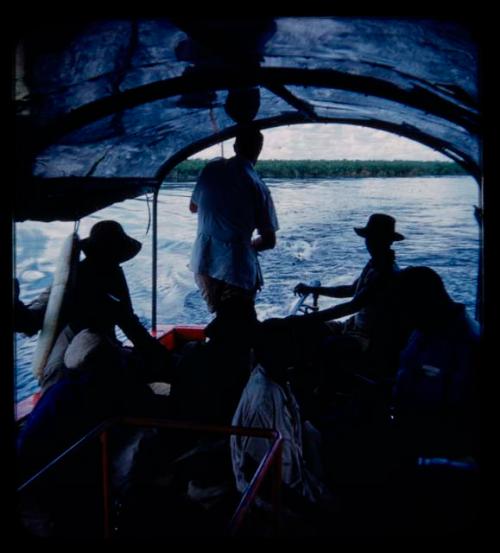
{"x":270,"y":463}
{"x":300,"y":305}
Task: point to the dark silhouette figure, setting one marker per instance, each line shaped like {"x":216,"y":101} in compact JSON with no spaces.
{"x":370,"y":338}
{"x":268,"y":401}
{"x":93,"y":377}
{"x":100,"y":301}
{"x":436,"y":392}
{"x":232,"y":202}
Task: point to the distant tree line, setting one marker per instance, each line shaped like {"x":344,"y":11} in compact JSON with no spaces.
{"x":304,"y":169}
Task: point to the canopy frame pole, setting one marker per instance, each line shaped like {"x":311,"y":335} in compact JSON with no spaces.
{"x":154,"y":271}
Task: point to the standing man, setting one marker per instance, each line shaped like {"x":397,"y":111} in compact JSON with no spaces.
{"x":232,"y":202}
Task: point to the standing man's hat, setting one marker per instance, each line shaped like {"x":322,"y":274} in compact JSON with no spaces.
{"x":108,"y":240}
{"x":380,"y":225}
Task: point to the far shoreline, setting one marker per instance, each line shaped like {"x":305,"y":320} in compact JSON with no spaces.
{"x":306,"y":169}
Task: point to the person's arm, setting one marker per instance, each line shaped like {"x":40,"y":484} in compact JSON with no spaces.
{"x":193,"y":202}
{"x":28,"y":319}
{"x":129,"y":322}
{"x":158,"y":360}
{"x":266,"y":240}
{"x":345,"y":291}
{"x":358,"y":302}
{"x":267,"y":221}
{"x":119,"y":303}
{"x":195,"y":196}
{"x":337,"y":311}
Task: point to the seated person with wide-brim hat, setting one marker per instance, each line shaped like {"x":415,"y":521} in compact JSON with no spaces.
{"x":99,"y":301}
{"x":371,"y":332}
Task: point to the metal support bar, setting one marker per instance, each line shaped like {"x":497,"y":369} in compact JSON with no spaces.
{"x":271,"y":460}
{"x":479,"y":216}
{"x":155,"y":262}
{"x":276,"y":492}
{"x":71,"y":450}
{"x":105,"y":482}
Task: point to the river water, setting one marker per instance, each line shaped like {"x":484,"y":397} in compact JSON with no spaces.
{"x":315,"y":241}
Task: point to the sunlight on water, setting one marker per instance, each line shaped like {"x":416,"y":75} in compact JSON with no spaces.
{"x":315,"y":241}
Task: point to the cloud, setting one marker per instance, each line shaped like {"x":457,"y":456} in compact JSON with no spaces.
{"x":316,"y":141}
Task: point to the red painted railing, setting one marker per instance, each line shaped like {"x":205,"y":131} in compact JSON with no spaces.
{"x":270,"y":462}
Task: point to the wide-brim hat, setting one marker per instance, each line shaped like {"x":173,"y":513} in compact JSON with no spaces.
{"x":108,"y":240}
{"x":380,"y":226}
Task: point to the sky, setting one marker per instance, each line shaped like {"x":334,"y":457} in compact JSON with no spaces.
{"x":320,"y":141}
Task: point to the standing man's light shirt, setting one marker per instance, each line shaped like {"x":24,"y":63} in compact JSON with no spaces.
{"x":231,"y":201}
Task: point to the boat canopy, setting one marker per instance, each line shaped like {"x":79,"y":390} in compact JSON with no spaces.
{"x":106,"y":108}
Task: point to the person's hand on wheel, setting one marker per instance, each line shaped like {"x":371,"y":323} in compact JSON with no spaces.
{"x":301,"y":289}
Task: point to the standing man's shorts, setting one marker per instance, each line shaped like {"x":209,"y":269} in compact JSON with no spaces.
{"x":215,"y":292}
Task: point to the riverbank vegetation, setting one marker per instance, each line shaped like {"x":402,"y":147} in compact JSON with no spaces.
{"x":306,"y":169}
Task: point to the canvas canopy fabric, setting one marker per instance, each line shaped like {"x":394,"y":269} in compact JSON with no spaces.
{"x":106,"y":103}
